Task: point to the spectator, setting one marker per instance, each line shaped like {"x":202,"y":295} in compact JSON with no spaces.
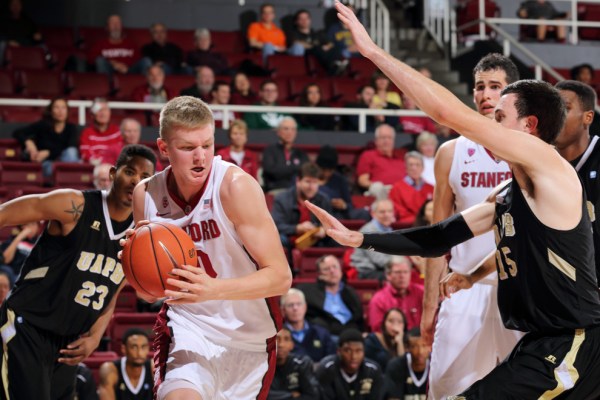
{"x":241,"y":92}
{"x":371,"y":264}
{"x":399,"y":292}
{"x":364,"y":96}
{"x":542,"y":9}
{"x":52,"y":138}
{"x":332,"y":304}
{"x":378,"y":169}
{"x":310,"y":340}
{"x":268,"y":95}
{"x":302,"y":38}
{"x":16,"y":248}
{"x":311,"y":97}
{"x":202,"y":55}
{"x":5,"y":285}
{"x":281,"y":161}
{"x":205,"y":80}
{"x":102,"y":176}
{"x":335,"y":186}
{"x":160,"y":52}
{"x":116,"y":53}
{"x":411,"y":192}
{"x":427,"y":144}
{"x":406,"y":377}
{"x":17,"y":29}
{"x":154,"y":90}
{"x":131,"y":131}
{"x":265,"y":35}
{"x":85,"y":387}
{"x":129,"y":376}
{"x":415,"y":124}
{"x":221,"y":95}
{"x":237,"y":152}
{"x":388,"y":342}
{"x":290,"y":213}
{"x":100,"y":142}
{"x":425,"y":214}
{"x":294,"y":378}
{"x":348,"y":374}
{"x":585,"y":73}
{"x":381,"y":84}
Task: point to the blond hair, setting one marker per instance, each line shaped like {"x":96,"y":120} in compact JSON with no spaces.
{"x":238,"y":123}
{"x":184,"y":112}
{"x":424,"y":137}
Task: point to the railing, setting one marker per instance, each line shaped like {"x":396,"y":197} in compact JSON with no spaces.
{"x":436,"y":20}
{"x":362,"y":113}
{"x":379,"y":26}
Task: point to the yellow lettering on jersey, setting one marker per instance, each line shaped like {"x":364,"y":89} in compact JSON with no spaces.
{"x":109,"y":266}
{"x":118,"y":275}
{"x":497,"y":234}
{"x":505,"y":264}
{"x":85,"y":260}
{"x":591,"y":210}
{"x":97,"y":267}
{"x":508,"y":225}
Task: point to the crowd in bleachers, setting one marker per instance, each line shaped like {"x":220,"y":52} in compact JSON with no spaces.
{"x":342,"y":297}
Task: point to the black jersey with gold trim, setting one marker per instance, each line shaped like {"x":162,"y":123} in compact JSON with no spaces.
{"x":546,"y":277}
{"x":67,"y":281}
{"x":588,"y":168}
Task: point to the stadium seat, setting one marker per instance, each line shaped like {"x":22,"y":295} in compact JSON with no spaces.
{"x":365,"y":288}
{"x":282,"y":65}
{"x":314,"y":67}
{"x":283,"y":88}
{"x":228,"y":41}
{"x":88,"y":85}
{"x":125,"y":85}
{"x":18,"y":191}
{"x":234,"y":60}
{"x":183,"y":38}
{"x":127,"y":300}
{"x":140,"y":36}
{"x":65,"y":58}
{"x":56,"y":37}
{"x":353,"y":224}
{"x":21,"y":114}
{"x":73,"y":175}
{"x":348,"y":155}
{"x":42,"y":83}
{"x":7,"y":83}
{"x":470,"y":12}
{"x":16,"y":173}
{"x":298,"y":84}
{"x":305,"y":260}
{"x":178,"y":82}
{"x":121,"y":322}
{"x":10,"y":150}
{"x":95,"y":361}
{"x":591,"y":13}
{"x":88,"y":35}
{"x":8,"y":231}
{"x":25,"y":58}
{"x":362,"y":68}
{"x":360,"y":201}
{"x":345,"y":89}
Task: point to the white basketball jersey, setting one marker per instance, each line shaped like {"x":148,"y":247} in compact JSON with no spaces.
{"x":245,"y":324}
{"x":473,"y":175}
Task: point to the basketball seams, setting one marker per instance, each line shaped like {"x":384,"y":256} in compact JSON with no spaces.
{"x":168,"y":228}
{"x":156,"y":263}
{"x":132,"y":270}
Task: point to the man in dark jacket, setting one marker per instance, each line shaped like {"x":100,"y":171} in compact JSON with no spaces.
{"x":332,"y":303}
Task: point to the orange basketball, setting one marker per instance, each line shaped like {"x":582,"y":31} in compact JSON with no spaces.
{"x":146,"y":261}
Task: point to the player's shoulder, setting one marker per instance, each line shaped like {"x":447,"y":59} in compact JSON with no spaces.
{"x":445,"y":152}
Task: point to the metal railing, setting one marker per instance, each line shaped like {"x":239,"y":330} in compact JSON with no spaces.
{"x":362,"y":113}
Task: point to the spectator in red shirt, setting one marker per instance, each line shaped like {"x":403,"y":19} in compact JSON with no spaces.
{"x":378,"y":169}
{"x":101,"y":141}
{"x":398,"y":292}
{"x":116,"y":53}
{"x":154,"y":90}
{"x":236,"y":152}
{"x":415,"y":125}
{"x":409,"y":193}
{"x":221,"y":95}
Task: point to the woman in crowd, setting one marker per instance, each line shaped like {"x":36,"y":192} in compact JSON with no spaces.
{"x":389,"y":342}
{"x":311,"y":97}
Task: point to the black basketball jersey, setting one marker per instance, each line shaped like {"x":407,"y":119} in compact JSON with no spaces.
{"x":588,"y":168}
{"x":547,"y":277}
{"x":402,"y":382}
{"x":124,"y":389}
{"x":67,"y":281}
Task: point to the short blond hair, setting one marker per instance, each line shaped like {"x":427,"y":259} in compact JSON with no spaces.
{"x":237,"y":123}
{"x":185,"y":112}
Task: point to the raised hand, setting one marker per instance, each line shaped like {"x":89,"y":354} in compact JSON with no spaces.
{"x":334,"y":228}
{"x":361,"y":38}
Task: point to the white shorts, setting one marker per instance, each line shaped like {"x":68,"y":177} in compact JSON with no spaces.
{"x":469,"y":341}
{"x":218,"y":372}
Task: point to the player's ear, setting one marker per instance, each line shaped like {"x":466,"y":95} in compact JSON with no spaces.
{"x":588,"y":117}
{"x":112,"y":174}
{"x":531,"y":124}
{"x":162,"y":147}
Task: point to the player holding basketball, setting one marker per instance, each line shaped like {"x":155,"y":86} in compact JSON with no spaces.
{"x":547,"y":282}
{"x":225,"y":318}
{"x":60,"y":306}
{"x":468,"y":324}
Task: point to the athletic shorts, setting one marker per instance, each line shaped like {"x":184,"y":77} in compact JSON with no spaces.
{"x":560,"y":366}
{"x":29,"y":368}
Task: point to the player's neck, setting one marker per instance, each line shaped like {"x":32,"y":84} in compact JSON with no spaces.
{"x":575,"y":149}
{"x":417,"y":366}
{"x":134,"y":371}
{"x":117,"y":210}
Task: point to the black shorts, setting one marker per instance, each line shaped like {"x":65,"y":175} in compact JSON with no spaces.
{"x":561,"y":366}
{"x":30,"y":369}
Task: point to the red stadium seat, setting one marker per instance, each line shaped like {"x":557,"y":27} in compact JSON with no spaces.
{"x":25,"y":58}
{"x":10,"y":150}
{"x":61,"y":57}
{"x":21,"y":114}
{"x":282,"y":65}
{"x":140,"y":36}
{"x":7,"y":83}
{"x":305,"y":260}
{"x":283,"y":88}
{"x":178,"y":82}
{"x":228,"y":41}
{"x":121,"y":322}
{"x":126,"y":84}
{"x":58,"y":36}
{"x":73,"y":175}
{"x":127,"y":300}
{"x":362,"y":67}
{"x":591,"y":13}
{"x":348,"y":155}
{"x":353,"y":224}
{"x":88,"y":85}
{"x":95,"y":361}
{"x":183,"y":38}
{"x":345,"y":89}
{"x":19,"y":191}
{"x":360,"y":201}
{"x":234,"y":60}
{"x":16,"y":173}
{"x":470,"y":12}
{"x":41,"y":83}
{"x":88,"y":35}
{"x":314,"y":67}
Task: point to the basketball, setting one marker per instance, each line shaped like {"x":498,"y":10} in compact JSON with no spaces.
{"x":150,"y":253}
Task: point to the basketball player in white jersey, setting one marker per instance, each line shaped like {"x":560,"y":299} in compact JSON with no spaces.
{"x":468,"y":324}
{"x":217,"y":338}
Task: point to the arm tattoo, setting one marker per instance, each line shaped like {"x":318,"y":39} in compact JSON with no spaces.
{"x":76,"y":210}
